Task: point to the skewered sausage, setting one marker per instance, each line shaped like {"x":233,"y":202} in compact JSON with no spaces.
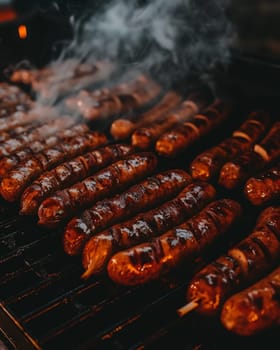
{"x":148,"y":261}
{"x":63,"y":204}
{"x":14,"y":183}
{"x":9,"y":134}
{"x":237,"y":171}
{"x":142,"y":227}
{"x":140,"y":197}
{"x":244,"y":263}
{"x":41,"y":132}
{"x":178,"y":139}
{"x":265,"y":187}
{"x":68,"y":173}
{"x":207,"y":164}
{"x":255,"y":309}
{"x":8,"y":163}
{"x":123,"y":128}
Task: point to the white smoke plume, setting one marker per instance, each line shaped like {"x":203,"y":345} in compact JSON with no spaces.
{"x":171,"y":38}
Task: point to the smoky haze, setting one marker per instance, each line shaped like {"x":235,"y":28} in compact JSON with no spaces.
{"x":171,"y":38}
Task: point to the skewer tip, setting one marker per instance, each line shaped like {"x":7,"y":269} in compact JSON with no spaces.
{"x":187,"y":308}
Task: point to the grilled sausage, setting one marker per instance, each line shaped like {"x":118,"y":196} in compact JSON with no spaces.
{"x":99,"y":249}
{"x":237,"y":171}
{"x":263,"y":188}
{"x":255,"y":309}
{"x":23,"y":118}
{"x":120,"y":99}
{"x":122,"y":129}
{"x":177,"y":140}
{"x":68,"y":173}
{"x":12,"y":145}
{"x":8,"y":109}
{"x":63,"y":204}
{"x":140,"y":197}
{"x":21,"y":129}
{"x":14,"y":183}
{"x":8,"y":163}
{"x":244,"y":263}
{"x":144,"y":138}
{"x":148,"y":261}
{"x":207,"y":164}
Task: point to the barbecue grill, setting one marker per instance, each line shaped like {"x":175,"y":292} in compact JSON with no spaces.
{"x":44,"y":304}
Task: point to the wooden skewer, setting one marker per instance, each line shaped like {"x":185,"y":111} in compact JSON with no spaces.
{"x":192,"y":305}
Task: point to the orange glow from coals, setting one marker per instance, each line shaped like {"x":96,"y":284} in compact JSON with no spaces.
{"x":22,"y":31}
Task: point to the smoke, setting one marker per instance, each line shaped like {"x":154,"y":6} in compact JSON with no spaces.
{"x":168,"y":38}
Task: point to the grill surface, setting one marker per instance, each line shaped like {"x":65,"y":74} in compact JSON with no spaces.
{"x":45,"y":304}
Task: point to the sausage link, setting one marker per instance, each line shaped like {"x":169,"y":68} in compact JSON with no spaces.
{"x":207,"y":164}
{"x":8,"y":163}
{"x":263,"y":188}
{"x":244,"y":263}
{"x":255,"y":309}
{"x":140,"y":197}
{"x":12,"y":145}
{"x":23,"y":118}
{"x":7,"y":110}
{"x":14,"y":183}
{"x":178,"y":139}
{"x":68,"y":173}
{"x":21,"y":129}
{"x":237,"y":171}
{"x":100,"y":248}
{"x":150,"y":260}
{"x":63,"y":204}
{"x":144,"y":138}
{"x":122,"y":129}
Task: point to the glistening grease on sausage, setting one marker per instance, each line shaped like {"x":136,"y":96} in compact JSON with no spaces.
{"x":99,"y":249}
{"x":140,"y":197}
{"x":148,"y":261}
{"x":207,"y":164}
{"x":11,"y":161}
{"x":14,"y":183}
{"x":68,"y":173}
{"x":114,"y":178}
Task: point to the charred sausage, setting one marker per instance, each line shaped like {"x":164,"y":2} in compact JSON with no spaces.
{"x":140,"y":197}
{"x":123,"y":128}
{"x":255,"y":309}
{"x":41,"y":132}
{"x":14,"y":183}
{"x":263,"y":188}
{"x":237,"y":171}
{"x":68,"y":173}
{"x":177,"y":140}
{"x":244,"y":263}
{"x":148,"y":261}
{"x":207,"y":164}
{"x":8,"y":163}
{"x":144,"y":138}
{"x":99,"y":249}
{"x":63,"y":204}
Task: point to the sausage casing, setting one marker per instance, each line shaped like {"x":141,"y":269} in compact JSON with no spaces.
{"x":142,"y":196}
{"x":150,"y":260}
{"x":144,"y":226}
